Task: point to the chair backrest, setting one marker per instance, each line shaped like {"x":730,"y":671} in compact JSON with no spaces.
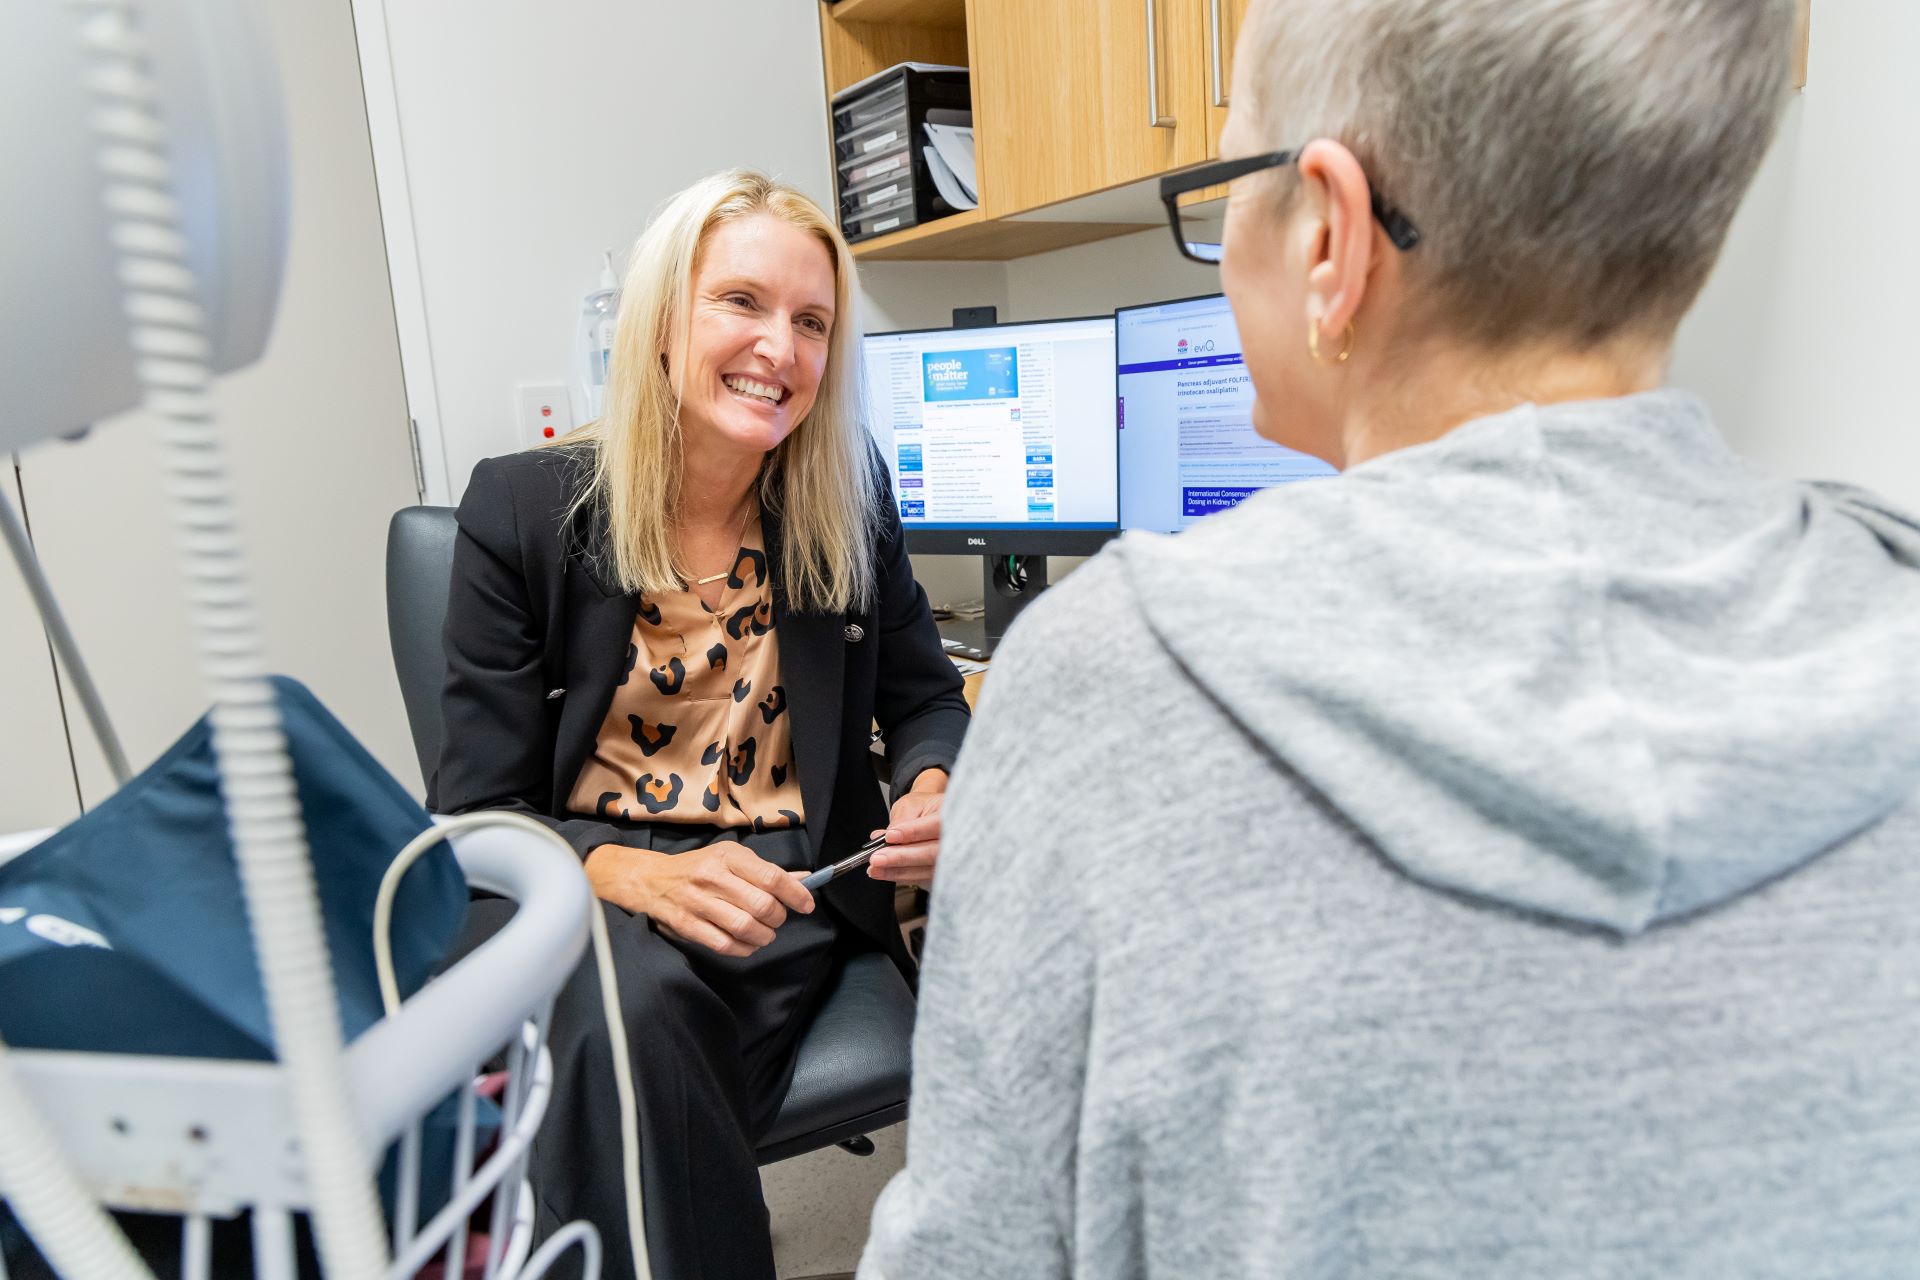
{"x":419,"y":571}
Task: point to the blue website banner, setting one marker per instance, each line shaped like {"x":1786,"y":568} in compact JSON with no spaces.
{"x":910,"y":457}
{"x":983,"y":373}
{"x":1204,"y":502}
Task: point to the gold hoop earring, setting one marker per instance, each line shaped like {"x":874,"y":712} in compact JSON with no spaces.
{"x":1313,"y":345}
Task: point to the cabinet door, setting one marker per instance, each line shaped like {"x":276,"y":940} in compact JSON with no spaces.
{"x":1224,"y":19}
{"x":1064,"y":95}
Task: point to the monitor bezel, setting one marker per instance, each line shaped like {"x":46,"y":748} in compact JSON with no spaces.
{"x":1119,"y":452}
{"x":1163,"y":302}
{"x":1024,"y":540}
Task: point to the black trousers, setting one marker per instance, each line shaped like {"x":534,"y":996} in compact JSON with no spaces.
{"x":712,"y":1041}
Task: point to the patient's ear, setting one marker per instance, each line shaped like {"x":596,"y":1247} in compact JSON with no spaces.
{"x":1344,"y":242}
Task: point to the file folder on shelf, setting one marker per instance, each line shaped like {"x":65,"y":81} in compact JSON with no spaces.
{"x":887,"y":129}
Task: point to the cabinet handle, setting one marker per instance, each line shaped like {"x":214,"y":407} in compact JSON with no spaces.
{"x":1219,"y":87}
{"x":1154,"y":118}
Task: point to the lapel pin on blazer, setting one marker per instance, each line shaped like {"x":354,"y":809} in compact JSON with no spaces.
{"x":854,"y":633}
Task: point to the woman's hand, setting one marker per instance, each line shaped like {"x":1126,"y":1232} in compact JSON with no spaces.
{"x":913,"y":833}
{"x":723,"y":897}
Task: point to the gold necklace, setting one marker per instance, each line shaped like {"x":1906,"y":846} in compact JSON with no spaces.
{"x":734,"y":555}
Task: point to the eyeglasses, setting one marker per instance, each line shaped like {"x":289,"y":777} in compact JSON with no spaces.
{"x":1400,"y":231}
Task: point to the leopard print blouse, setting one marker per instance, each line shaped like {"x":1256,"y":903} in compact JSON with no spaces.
{"x":698,"y":730}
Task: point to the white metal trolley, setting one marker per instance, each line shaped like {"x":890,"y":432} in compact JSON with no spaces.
{"x":207,"y":1140}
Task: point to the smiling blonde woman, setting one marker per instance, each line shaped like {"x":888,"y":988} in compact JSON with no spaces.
{"x":821,"y":480}
{"x":668,"y":637}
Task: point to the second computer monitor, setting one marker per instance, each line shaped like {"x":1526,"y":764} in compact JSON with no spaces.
{"x":1187,"y":443}
{"x":1000,"y":439}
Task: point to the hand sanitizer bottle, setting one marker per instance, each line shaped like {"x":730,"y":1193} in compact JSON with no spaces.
{"x":597,"y":316}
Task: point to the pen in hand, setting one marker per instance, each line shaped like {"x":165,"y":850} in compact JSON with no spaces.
{"x":846,"y":866}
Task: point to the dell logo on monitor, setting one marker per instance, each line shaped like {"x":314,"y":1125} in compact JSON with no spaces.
{"x":976,"y":542}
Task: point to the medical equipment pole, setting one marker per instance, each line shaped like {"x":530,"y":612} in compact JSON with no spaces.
{"x":169,"y":332}
{"x":61,"y":637}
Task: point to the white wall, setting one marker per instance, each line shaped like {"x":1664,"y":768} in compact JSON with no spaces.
{"x":922,"y":295}
{"x":538,"y":134}
{"x":1805,"y":340}
{"x":1091,"y":278}
{"x":505,"y":116}
{"x":320,"y":452}
{"x":527,"y":152}
{"x":36,"y":775}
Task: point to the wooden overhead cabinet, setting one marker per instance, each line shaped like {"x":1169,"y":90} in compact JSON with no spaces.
{"x":1070,"y":98}
{"x":1224,"y":19}
{"x":1075,"y":96}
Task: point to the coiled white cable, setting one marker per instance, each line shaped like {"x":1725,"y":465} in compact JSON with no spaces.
{"x":170,"y":340}
{"x":72,"y":1232}
{"x":609,"y":1009}
{"x":558,"y":1243}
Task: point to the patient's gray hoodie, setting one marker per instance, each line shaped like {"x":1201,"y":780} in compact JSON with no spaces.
{"x":1501,"y":860}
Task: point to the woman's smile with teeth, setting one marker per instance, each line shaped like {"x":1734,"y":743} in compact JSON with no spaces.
{"x":758,"y":390}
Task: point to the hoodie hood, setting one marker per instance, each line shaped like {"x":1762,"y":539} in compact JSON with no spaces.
{"x":1579,"y":658}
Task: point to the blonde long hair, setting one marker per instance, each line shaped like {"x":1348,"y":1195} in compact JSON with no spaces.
{"x":820,"y":480}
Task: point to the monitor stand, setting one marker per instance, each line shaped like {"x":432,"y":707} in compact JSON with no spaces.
{"x":1011,"y":584}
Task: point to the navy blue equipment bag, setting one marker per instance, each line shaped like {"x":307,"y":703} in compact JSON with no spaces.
{"x":126,"y":931}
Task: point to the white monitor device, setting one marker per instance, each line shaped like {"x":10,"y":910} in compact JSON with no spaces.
{"x":1000,"y":439}
{"x":1187,"y":443}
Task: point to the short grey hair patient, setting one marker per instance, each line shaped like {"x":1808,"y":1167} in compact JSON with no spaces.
{"x":1495,"y":860}
{"x":1573,"y":165}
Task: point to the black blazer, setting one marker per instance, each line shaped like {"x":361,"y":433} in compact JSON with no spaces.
{"x":536,"y":638}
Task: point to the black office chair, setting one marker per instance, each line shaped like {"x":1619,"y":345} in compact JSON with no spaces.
{"x":851,"y":1075}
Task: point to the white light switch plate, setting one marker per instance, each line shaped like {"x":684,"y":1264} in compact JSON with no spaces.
{"x":541,"y":411}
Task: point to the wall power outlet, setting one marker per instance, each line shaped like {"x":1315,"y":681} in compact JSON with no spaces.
{"x":541,"y":411}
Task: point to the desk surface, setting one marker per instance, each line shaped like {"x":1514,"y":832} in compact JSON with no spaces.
{"x":971,"y":631}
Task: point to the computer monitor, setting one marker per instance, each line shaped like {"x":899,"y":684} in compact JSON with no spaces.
{"x":1187,"y":443}
{"x":1000,"y":438}
{"x":1000,"y":443}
